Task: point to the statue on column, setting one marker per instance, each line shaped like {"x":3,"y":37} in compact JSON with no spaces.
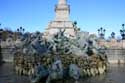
{"x":62,"y":1}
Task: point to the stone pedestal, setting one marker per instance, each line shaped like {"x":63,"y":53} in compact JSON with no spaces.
{"x":101,"y":42}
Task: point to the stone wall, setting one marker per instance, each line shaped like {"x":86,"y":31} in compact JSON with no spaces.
{"x":7,"y":54}
{"x":113,"y":43}
{"x":0,"y":55}
{"x":116,"y":55}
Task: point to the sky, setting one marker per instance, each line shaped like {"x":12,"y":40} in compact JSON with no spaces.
{"x":34,"y":15}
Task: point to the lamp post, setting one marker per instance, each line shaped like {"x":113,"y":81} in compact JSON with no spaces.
{"x":75,"y":25}
{"x":0,"y":34}
{"x":0,"y":44}
{"x":122,"y":32}
{"x":113,"y":35}
{"x":101,"y":33}
{"x":20,"y":30}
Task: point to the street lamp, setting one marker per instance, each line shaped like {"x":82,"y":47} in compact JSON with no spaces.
{"x":101,"y":33}
{"x":122,"y":32}
{"x":113,"y":35}
{"x":0,"y":34}
{"x":20,"y":30}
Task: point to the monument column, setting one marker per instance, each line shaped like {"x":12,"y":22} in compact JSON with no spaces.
{"x":62,"y":2}
{"x":61,"y":21}
{"x":62,"y":10}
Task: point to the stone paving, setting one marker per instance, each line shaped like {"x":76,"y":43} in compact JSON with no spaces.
{"x":7,"y":75}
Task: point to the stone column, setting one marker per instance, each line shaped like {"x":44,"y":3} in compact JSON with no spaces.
{"x":62,"y":1}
